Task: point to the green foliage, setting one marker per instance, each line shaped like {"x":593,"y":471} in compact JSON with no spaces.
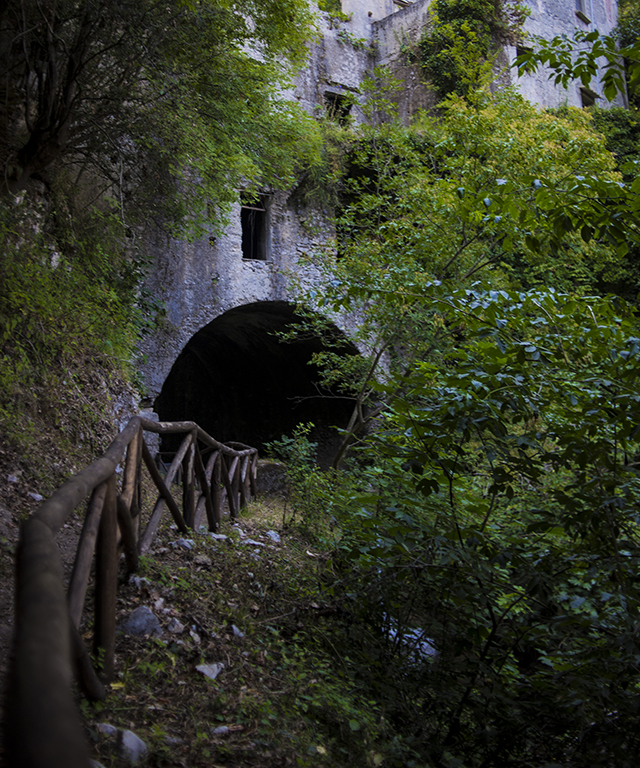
{"x":359,"y":43}
{"x":69,"y":312}
{"x":621,"y":129}
{"x":334,"y":9}
{"x":309,"y":490}
{"x":299,"y":453}
{"x":628,"y":29}
{"x":496,"y":190}
{"x":332,"y":719}
{"x":457,"y":48}
{"x":583,"y":57}
{"x":180,"y":96}
{"x":498,"y":514}
{"x":628,"y":32}
{"x":493,"y":517}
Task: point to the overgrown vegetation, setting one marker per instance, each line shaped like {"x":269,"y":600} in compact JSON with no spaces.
{"x":115,"y":119}
{"x":462,"y":589}
{"x":463,"y":38}
{"x":491,"y":189}
{"x":70,"y":315}
{"x":126,"y":100}
{"x":488,"y":528}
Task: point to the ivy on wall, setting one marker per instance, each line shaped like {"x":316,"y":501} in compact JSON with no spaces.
{"x":330,"y":6}
{"x":461,"y":38}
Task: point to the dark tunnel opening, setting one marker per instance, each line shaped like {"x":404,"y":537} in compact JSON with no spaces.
{"x":241,"y":382}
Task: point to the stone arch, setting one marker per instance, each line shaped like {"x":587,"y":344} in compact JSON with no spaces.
{"x":240,"y":381}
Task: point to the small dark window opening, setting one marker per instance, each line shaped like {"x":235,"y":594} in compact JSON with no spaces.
{"x":580,"y":12}
{"x":253,"y":216}
{"x":588,"y":97}
{"x":338,"y":107}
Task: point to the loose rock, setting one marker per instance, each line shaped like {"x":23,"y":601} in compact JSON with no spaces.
{"x":210,"y":670}
{"x":139,"y":582}
{"x":132,"y":748}
{"x":175,"y":627}
{"x":141,"y":622}
{"x":236,"y":631}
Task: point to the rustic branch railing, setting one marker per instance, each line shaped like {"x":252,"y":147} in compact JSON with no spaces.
{"x":42,"y":726}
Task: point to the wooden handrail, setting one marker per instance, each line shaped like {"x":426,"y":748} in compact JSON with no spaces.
{"x":43,"y":726}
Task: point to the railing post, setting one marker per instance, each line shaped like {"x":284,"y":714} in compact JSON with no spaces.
{"x":236,"y":483}
{"x":188,"y":483}
{"x":254,"y":474}
{"x":84,"y":554}
{"x":229,"y":477}
{"x":104,"y":639}
{"x":216,"y":488}
{"x":127,"y":529}
{"x":245,"y":491}
{"x":205,"y":501}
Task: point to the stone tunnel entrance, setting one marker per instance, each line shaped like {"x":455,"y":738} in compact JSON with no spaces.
{"x":239,"y":381}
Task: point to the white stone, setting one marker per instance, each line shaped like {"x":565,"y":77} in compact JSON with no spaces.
{"x":175,"y":627}
{"x":211,"y":670}
{"x":132,"y":748}
{"x":237,"y":632}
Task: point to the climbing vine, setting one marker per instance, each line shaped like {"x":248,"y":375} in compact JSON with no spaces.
{"x":461,"y":38}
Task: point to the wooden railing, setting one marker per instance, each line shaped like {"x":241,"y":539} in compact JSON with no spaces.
{"x":42,"y":725}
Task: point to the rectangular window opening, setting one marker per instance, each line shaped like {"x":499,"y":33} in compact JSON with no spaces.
{"x":253,"y":217}
{"x":581,"y":13}
{"x":588,"y":97}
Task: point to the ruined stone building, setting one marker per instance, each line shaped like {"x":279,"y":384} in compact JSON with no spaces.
{"x":226,"y":297}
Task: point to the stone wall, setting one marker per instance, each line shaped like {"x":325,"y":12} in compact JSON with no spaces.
{"x":201,"y":280}
{"x":396,"y":40}
{"x":557,"y":17}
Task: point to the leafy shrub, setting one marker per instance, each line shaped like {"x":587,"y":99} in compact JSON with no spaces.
{"x":69,"y":315}
{"x":498,"y":519}
{"x":461,"y":38}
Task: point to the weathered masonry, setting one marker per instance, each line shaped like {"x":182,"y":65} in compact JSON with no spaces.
{"x":224,"y":296}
